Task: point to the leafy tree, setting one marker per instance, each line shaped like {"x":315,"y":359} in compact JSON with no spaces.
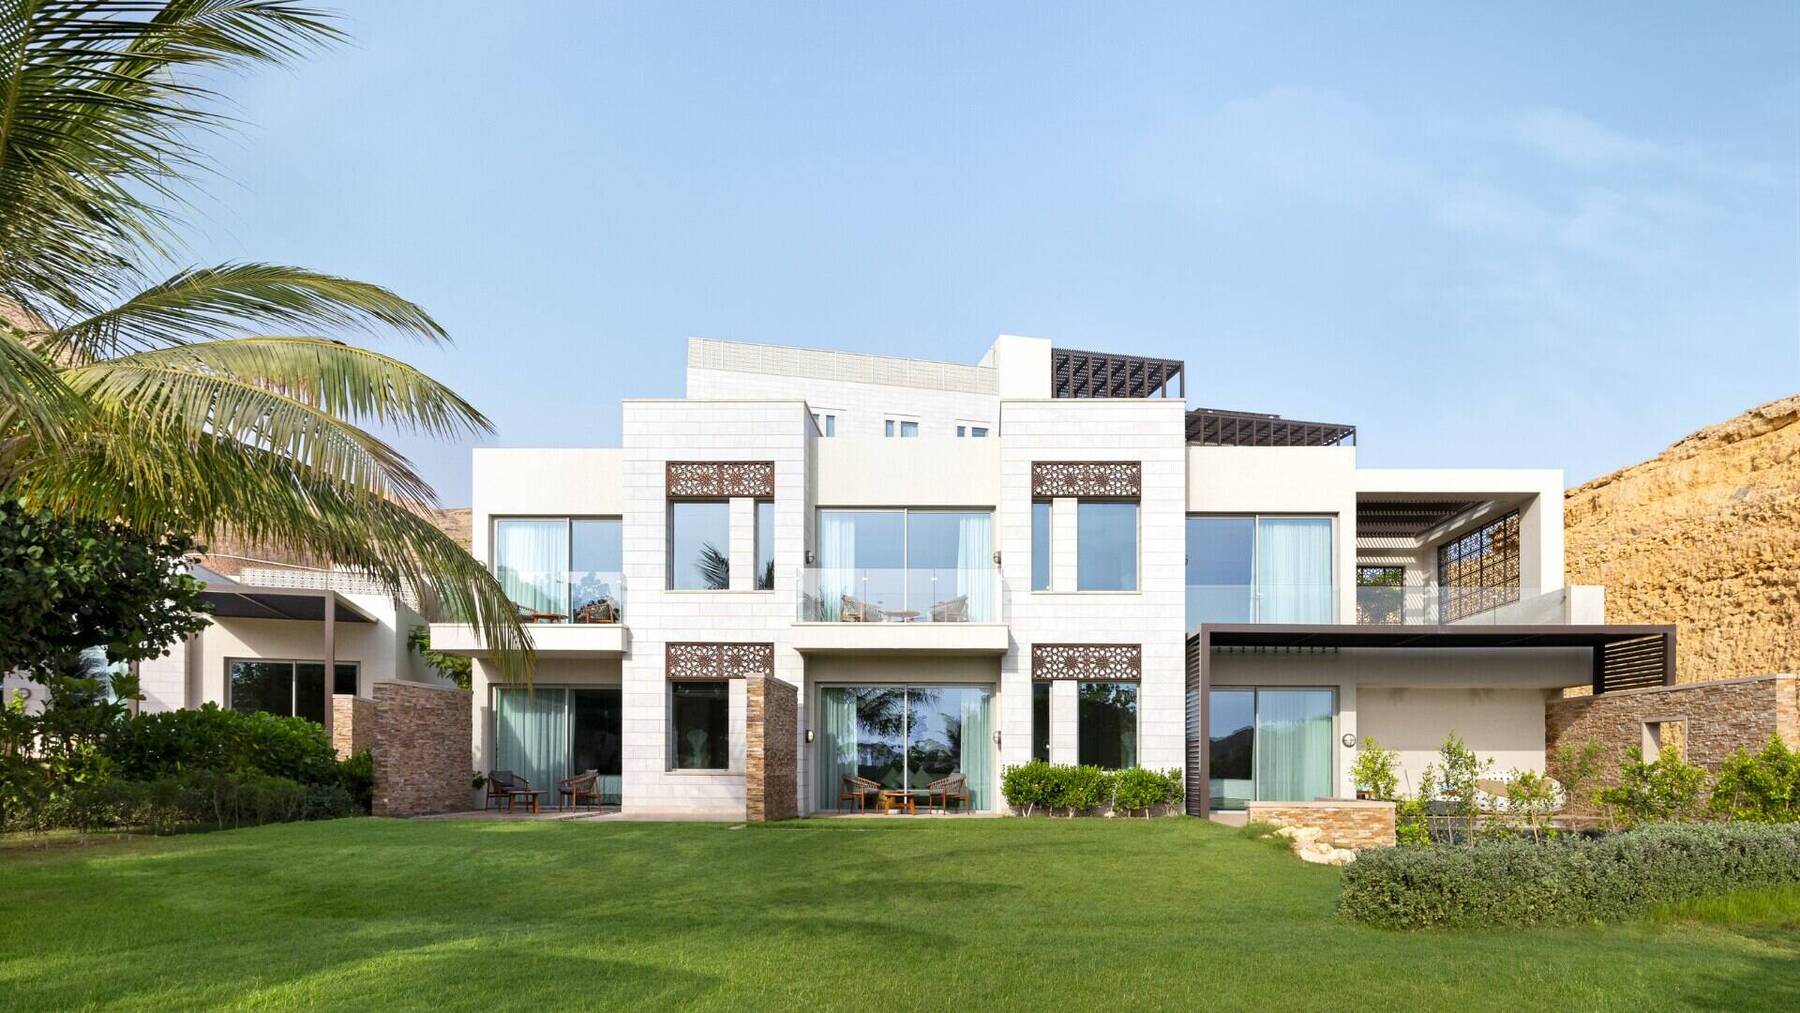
{"x":69,"y":585}
{"x":1576,"y":767}
{"x":1665,"y":790}
{"x":1761,"y":787}
{"x":454,"y":667}
{"x":1374,"y":770}
{"x":211,"y":400}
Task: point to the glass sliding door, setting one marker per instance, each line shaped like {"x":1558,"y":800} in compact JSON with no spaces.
{"x":552,"y":733}
{"x":1270,"y":745}
{"x":1231,"y":737}
{"x":1248,"y":569}
{"x":531,"y":558}
{"x":905,"y":737}
{"x":1221,"y":554}
{"x":905,"y":565}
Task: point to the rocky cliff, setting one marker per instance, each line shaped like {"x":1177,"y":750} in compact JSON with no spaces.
{"x":1705,"y":535}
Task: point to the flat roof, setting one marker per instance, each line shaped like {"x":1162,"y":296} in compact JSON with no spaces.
{"x":250,"y":601}
{"x":1384,"y":635}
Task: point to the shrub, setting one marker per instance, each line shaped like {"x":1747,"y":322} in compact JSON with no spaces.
{"x":1029,"y":785}
{"x":1665,"y":790}
{"x":1136,"y":788}
{"x":1411,"y":828}
{"x":356,"y":777}
{"x":1566,"y":880}
{"x":1374,"y":770}
{"x":209,"y":738}
{"x":195,"y":799}
{"x":1079,"y":789}
{"x":1762,"y":787}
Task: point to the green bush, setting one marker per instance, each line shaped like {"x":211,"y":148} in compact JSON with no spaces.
{"x":1374,"y":771}
{"x":1762,"y":787}
{"x":1073,"y":790}
{"x":1665,"y":790}
{"x":1568,"y":879}
{"x":195,"y":800}
{"x":356,"y":777}
{"x":210,"y":738}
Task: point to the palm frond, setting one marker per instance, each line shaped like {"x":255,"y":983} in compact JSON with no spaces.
{"x":206,"y":303}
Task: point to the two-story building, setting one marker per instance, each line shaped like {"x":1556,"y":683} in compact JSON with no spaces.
{"x":957,"y":568}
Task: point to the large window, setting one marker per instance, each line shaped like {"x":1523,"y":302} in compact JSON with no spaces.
{"x":700,"y":725}
{"x":1040,"y":721}
{"x":1106,"y":545}
{"x":1106,"y":714}
{"x":1480,"y":570}
{"x":561,"y":569}
{"x":1272,"y":745}
{"x":1040,"y":545}
{"x":287,"y":688}
{"x":905,"y":566}
{"x":700,"y":546}
{"x":905,"y":737}
{"x":765,"y":545}
{"x":545,"y":734}
{"x":1247,"y":569}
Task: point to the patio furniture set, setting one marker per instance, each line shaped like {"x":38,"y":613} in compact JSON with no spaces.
{"x":856,"y":792}
{"x":506,"y":789}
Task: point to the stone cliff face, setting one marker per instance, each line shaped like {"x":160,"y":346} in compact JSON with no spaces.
{"x":1705,"y":535}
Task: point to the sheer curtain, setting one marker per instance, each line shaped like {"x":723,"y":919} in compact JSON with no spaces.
{"x":837,"y":743}
{"x":532,"y":557}
{"x":1293,"y":744}
{"x":1293,"y":569}
{"x":837,"y":564}
{"x":974,"y":565}
{"x":977,"y":740}
{"x":531,"y":735}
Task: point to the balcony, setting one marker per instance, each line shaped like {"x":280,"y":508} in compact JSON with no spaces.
{"x":567,"y":613}
{"x":949,"y":610}
{"x":1394,"y":606}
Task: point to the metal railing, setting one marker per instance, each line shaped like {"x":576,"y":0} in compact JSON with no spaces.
{"x":899,"y":595}
{"x":1375,"y":606}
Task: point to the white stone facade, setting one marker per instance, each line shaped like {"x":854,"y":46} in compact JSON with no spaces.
{"x":752,"y":403}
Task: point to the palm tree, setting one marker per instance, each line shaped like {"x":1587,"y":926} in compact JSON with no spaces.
{"x":203,"y":400}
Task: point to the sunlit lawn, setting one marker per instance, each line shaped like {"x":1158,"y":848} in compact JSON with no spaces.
{"x":981,"y":914}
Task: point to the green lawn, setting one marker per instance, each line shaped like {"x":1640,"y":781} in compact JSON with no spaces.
{"x":870,"y":914}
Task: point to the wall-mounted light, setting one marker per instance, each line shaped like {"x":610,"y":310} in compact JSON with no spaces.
{"x":996,"y":737}
{"x":809,"y":736}
{"x":809,"y":555}
{"x":996,"y":557}
{"x":1349,"y":740}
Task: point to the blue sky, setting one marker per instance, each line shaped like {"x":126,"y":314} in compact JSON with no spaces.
{"x":1561,"y":236}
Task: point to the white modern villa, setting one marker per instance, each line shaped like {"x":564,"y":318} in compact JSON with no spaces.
{"x":953,"y":568}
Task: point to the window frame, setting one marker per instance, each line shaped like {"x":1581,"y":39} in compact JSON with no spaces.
{"x":293,"y":678}
{"x":1256,"y":548}
{"x":761,"y":565}
{"x":825,"y":422}
{"x":893,"y":426}
{"x":1137,"y":719}
{"x":1137,"y":545}
{"x":1338,"y":762}
{"x":1049,"y":515}
{"x":1048,"y":691}
{"x":569,"y":571}
{"x":672,"y":756}
{"x":966,"y":430}
{"x":669,"y":583}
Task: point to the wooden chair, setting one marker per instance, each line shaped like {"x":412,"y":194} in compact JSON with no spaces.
{"x":601,"y":611}
{"x":856,"y":789}
{"x":501,"y":783}
{"x":855,"y":610}
{"x":945,"y":789}
{"x":956,"y":610}
{"x":583,"y":786}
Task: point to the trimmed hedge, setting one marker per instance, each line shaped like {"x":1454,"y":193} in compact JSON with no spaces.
{"x":1086,"y":789}
{"x":198,"y":800}
{"x":1568,"y":880}
{"x":149,"y":746}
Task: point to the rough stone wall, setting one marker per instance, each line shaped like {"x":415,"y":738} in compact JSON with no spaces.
{"x":1706,"y":536}
{"x":770,"y":754}
{"x":1347,"y":824}
{"x":421,"y":747}
{"x":1721,"y":717}
{"x":352,"y":724}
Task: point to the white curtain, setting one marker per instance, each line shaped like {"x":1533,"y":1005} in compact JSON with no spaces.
{"x":837,"y":743}
{"x":1293,"y":569}
{"x":974,"y":565}
{"x":976,"y":740}
{"x":532,"y":557}
{"x":837,"y":562}
{"x":1293,"y":745}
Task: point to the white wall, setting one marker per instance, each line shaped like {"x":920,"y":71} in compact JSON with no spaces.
{"x":1486,"y":695}
{"x":544,"y":482}
{"x":1021,"y":367}
{"x":853,"y":471}
{"x":860,"y":407}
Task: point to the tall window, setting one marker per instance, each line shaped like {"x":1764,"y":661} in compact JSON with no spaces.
{"x":1106,"y":713}
{"x":1269,"y":744}
{"x":905,"y":737}
{"x":1248,"y":569}
{"x":294,"y":689}
{"x":1040,"y":545}
{"x":561,"y":568}
{"x":1040,"y":721}
{"x":1106,"y":545}
{"x":900,"y":427}
{"x":700,"y":546}
{"x":765,"y":545}
{"x":699,"y":725}
{"x":905,"y":565}
{"x":1480,"y":570}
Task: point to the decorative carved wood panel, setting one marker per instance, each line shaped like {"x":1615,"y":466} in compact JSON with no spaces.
{"x":693,"y":660}
{"x":721,"y":479}
{"x":1115,"y":479}
{"x":1087,"y":662}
